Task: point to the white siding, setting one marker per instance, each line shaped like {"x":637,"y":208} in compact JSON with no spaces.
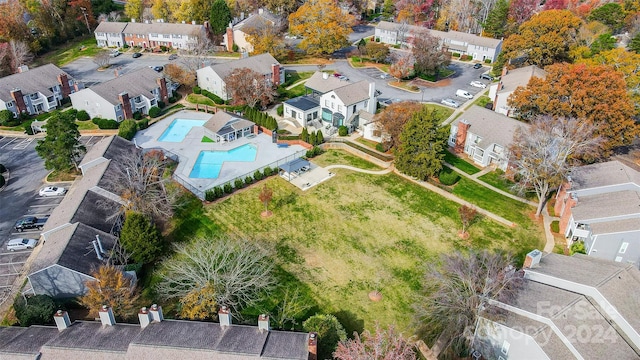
{"x":93,"y":103}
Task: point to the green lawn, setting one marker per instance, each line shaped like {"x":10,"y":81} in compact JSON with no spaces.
{"x":497,"y":180}
{"x":206,"y":139}
{"x":86,"y":125}
{"x":482,"y":101}
{"x":293,"y":77}
{"x":460,"y":163}
{"x":200,"y":99}
{"x":331,"y":157}
{"x":350,"y":235}
{"x":66,"y":53}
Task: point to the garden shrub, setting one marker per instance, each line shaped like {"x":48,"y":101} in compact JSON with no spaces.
{"x":248,"y":180}
{"x":82,"y":115}
{"x":258,"y":175}
{"x":218,"y":192}
{"x":143,"y":124}
{"x":6,"y":117}
{"x":448,"y":177}
{"x":456,"y":54}
{"x":280,"y":110}
{"x":238,"y":183}
{"x":577,"y":248}
{"x":487,"y":61}
{"x":2,"y":169}
{"x":105,"y":124}
{"x":2,"y":181}
{"x":161,"y":104}
{"x":235,"y":47}
{"x":315,"y":151}
{"x":172,"y":99}
{"x":74,"y":113}
{"x":137,"y":115}
{"x":343,"y":131}
{"x":267,"y":171}
{"x":216,"y":99}
{"x":154,"y":112}
{"x":28,"y":129}
{"x":197,"y":90}
{"x":319,"y":137}
{"x":128,"y":129}
{"x":36,"y":310}
{"x":209,"y":195}
{"x":228,"y":189}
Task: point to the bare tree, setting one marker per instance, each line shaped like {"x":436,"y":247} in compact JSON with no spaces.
{"x":238,"y":271}
{"x":467,"y":216}
{"x":458,"y":289}
{"x":428,"y":53}
{"x":249,"y":87}
{"x":542,"y":155}
{"x":387,"y":344}
{"x":196,"y":57}
{"x":20,"y":53}
{"x":265,"y":197}
{"x":102,"y":59}
{"x":292,"y":306}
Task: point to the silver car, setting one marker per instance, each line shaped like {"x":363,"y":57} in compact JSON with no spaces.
{"x":450,"y":102}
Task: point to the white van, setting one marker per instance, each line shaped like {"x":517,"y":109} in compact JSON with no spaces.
{"x":463,"y":93}
{"x":21,"y":244}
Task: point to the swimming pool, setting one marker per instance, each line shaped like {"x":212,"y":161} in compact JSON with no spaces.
{"x":209,"y":163}
{"x":178,"y":129}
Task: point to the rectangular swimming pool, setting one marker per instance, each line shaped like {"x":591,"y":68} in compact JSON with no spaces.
{"x":178,"y":129}
{"x":209,"y":163}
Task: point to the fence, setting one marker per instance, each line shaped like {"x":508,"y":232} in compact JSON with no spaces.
{"x":176,"y":176}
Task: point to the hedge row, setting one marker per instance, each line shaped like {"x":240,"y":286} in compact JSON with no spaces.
{"x":216,"y":99}
{"x":129,"y":127}
{"x":220,"y":191}
{"x":261,"y":118}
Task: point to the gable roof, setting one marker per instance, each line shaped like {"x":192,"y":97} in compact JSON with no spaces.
{"x":110,"y":27}
{"x":138,"y":82}
{"x":163,"y":28}
{"x":258,"y":63}
{"x":38,"y":79}
{"x":257,"y":20}
{"x":20,"y":341}
{"x":91,"y":337}
{"x":324,"y":82}
{"x":452,"y":35}
{"x":520,"y":77}
{"x":353,"y":93}
{"x":303,"y":103}
{"x":492,"y":127}
{"x":603,"y":174}
{"x":222,"y":123}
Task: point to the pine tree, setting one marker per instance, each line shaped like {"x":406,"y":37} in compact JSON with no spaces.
{"x":220,"y":17}
{"x":312,"y":139}
{"x":141,"y":238}
{"x":319,"y":137}
{"x":305,"y":135}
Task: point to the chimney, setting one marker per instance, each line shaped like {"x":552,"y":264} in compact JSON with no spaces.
{"x":263,"y":323}
{"x":145,"y":317}
{"x":184,"y":22}
{"x":224,"y":316}
{"x":505,"y":70}
{"x":106,"y":316}
{"x":313,"y":346}
{"x":193,"y":22}
{"x":325,"y":75}
{"x":62,"y":320}
{"x":275,"y":74}
{"x":260,"y":11}
{"x":229,"y":38}
{"x":126,"y":105}
{"x":16,"y":95}
{"x":532,"y":260}
{"x":98,"y":253}
{"x":156,"y":313}
{"x":63,"y":80}
{"x":461,"y":136}
{"x":99,"y":244}
{"x":162,"y":83}
{"x":372,"y":98}
{"x":206,"y":25}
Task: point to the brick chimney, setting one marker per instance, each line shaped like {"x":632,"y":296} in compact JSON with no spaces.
{"x":275,"y":74}
{"x":106,"y":316}
{"x":263,"y":323}
{"x":156,"y":313}
{"x":505,"y":70}
{"x":532,"y":260}
{"x":16,"y":95}
{"x":230,"y":38}
{"x":126,"y":105}
{"x":224,"y":316}
{"x":63,"y":80}
{"x":313,"y":346}
{"x":62,"y":320}
{"x":461,"y":136}
{"x":162,"y":83}
{"x":145,"y":317}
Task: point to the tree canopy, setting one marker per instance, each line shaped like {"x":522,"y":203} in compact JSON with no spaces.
{"x":112,"y":288}
{"x":392,"y":119}
{"x":61,"y":147}
{"x":324,"y":27}
{"x":428,"y":54}
{"x":382,"y":344}
{"x":220,"y":17}
{"x":141,"y":238}
{"x":248,"y":87}
{"x":329,"y":331}
{"x":610,"y":14}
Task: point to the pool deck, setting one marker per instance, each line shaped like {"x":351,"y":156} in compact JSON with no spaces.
{"x":268,"y":154}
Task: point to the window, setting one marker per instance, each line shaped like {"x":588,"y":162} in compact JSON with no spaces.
{"x":505,"y":347}
{"x":10,"y":104}
{"x":339,"y":108}
{"x":166,"y":36}
{"x":623,"y":248}
{"x":326,"y":103}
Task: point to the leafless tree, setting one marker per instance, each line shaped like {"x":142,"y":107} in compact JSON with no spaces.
{"x":456,"y":290}
{"x":428,"y":53}
{"x":102,"y":59}
{"x":387,"y":344}
{"x":292,"y":306}
{"x":196,"y":57}
{"x":467,"y":216}
{"x":239,"y":271}
{"x":249,"y":87}
{"x":20,"y":53}
{"x":543,"y":154}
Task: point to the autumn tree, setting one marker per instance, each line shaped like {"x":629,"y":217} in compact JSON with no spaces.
{"x":19,"y":53}
{"x":376,"y":51}
{"x":455,"y":290}
{"x":383,"y":344}
{"x":418,"y":12}
{"x":459,"y":15}
{"x":141,"y":238}
{"x":61,"y":147}
{"x":520,"y":11}
{"x":428,"y":54}
{"x":112,"y":288}
{"x":133,"y":9}
{"x":323,"y":26}
{"x":329,"y":331}
{"x":161,"y":10}
{"x":248,"y":87}
{"x":265,"y":197}
{"x":392,"y":119}
{"x":179,"y":74}
{"x":423,"y":144}
{"x":402,"y":65}
{"x":545,"y":39}
{"x":238,"y":272}
{"x":611,"y":14}
{"x":220,"y":17}
{"x":266,"y":39}
{"x":467,"y":216}
{"x":543,"y":154}
{"x":102,"y":59}
{"x":595,"y":94}
{"x":282,"y":7}
{"x":13,"y":26}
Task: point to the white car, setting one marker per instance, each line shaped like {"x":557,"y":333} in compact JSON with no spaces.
{"x":450,"y":102}
{"x":21,"y":244}
{"x":478,"y":84}
{"x":52,"y":191}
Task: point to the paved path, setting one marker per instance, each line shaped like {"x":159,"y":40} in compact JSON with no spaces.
{"x":372,"y":172}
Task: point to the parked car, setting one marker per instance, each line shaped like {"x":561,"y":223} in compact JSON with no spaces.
{"x":158,"y":68}
{"x":463,"y":93}
{"x":52,"y":191}
{"x":477,"y":66}
{"x":450,"y":102}
{"x":30,"y":222}
{"x":337,"y":75}
{"x":115,"y":53}
{"x":136,"y":55}
{"x":21,"y":244}
{"x":486,"y":77}
{"x":173,"y":56}
{"x":342,"y":77}
{"x":478,"y":84}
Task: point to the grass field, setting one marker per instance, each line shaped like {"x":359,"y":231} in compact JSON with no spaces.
{"x":460,"y":163}
{"x":66,"y":53}
{"x":353,"y":234}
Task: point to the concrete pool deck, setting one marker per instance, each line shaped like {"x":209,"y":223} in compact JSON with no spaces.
{"x":268,"y":153}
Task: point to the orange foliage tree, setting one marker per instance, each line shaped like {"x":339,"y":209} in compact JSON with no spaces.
{"x":597,"y":94}
{"x":392,"y":120}
{"x":402,"y":65}
{"x":110,"y":288}
{"x":248,"y":87}
{"x":323,"y":25}
{"x":179,"y":74}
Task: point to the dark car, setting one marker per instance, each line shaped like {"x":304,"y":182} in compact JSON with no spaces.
{"x":173,"y":57}
{"x":477,"y":66}
{"x":158,"y":68}
{"x":486,"y":77}
{"x":136,"y":55}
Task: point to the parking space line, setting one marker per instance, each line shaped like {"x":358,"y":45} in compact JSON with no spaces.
{"x":15,"y":253}
{"x":7,"y":144}
{"x":26,"y":232}
{"x":23,"y":144}
{"x":13,"y":263}
{"x":12,"y":274}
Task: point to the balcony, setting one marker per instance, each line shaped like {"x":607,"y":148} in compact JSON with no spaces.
{"x":36,"y":100}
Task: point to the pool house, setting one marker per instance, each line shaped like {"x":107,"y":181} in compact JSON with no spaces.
{"x":225,"y":127}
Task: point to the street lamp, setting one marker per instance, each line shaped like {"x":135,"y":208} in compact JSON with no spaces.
{"x":84,"y":12}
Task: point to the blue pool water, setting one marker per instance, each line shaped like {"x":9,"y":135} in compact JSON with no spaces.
{"x":178,"y":129}
{"x":209,"y":163}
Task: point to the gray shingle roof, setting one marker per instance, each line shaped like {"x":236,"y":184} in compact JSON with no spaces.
{"x":353,"y":93}
{"x":218,"y":121}
{"x":38,"y":79}
{"x":138,"y":82}
{"x":492,"y":127}
{"x":93,"y":337}
{"x":110,"y":27}
{"x":15,"y":341}
{"x":520,"y":77}
{"x":603,"y":174}
{"x":453,"y":35}
{"x":79,"y":254}
{"x":257,"y":20}
{"x":606,"y":205}
{"x":163,"y":28}
{"x":318,"y":83}
{"x":259,"y":63}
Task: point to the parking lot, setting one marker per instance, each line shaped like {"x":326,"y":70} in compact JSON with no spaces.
{"x":20,"y":198}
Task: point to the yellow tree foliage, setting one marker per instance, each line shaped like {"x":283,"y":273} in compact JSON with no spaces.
{"x":596,"y":93}
{"x":133,"y":9}
{"x":265,"y":39}
{"x":545,"y":39}
{"x":199,"y":304}
{"x":111,"y":288}
{"x":323,"y":26}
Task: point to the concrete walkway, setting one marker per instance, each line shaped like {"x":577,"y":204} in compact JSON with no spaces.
{"x":372,"y":172}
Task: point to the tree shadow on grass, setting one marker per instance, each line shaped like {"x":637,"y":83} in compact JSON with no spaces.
{"x":350,"y":322}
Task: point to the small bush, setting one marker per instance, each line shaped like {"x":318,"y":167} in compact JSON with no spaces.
{"x":6,"y":117}
{"x":2,"y":169}
{"x":105,"y":124}
{"x":2,"y":181}
{"x":82,"y":115}
{"x":143,"y":124}
{"x":380,"y":147}
{"x":137,"y":115}
{"x":343,"y":131}
{"x":315,"y":151}
{"x":154,"y":112}
{"x":248,"y":180}
{"x":218,"y":192}
{"x":197,"y":90}
{"x":28,"y":129}
{"x":377,"y":39}
{"x":36,"y":310}
{"x":577,"y":248}
{"x":258,"y":175}
{"x":456,"y":55}
{"x":74,"y":113}
{"x":267,"y":171}
{"x":448,"y":177}
{"x":555,"y":226}
{"x":172,"y":99}
{"x":228,"y":189}
{"x":280,"y":110}
{"x":238,"y":183}
{"x":161,"y":104}
{"x":487,"y":61}
{"x":209,"y":195}
{"x":235,"y":47}
{"x":128,"y":129}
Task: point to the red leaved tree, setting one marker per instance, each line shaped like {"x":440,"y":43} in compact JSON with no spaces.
{"x":248,"y":87}
{"x":387,"y":344}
